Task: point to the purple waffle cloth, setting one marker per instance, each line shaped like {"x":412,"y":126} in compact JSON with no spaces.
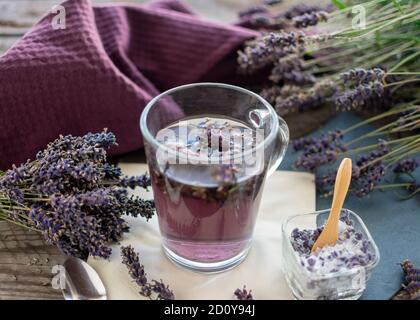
{"x":102,"y":69}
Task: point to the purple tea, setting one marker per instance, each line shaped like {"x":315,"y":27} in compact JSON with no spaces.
{"x":207,"y":211}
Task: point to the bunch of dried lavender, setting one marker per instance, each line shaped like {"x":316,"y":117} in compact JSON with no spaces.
{"x":154,"y":289}
{"x":337,"y":65}
{"x":410,"y":289}
{"x":73,"y":196}
{"x":317,"y":67}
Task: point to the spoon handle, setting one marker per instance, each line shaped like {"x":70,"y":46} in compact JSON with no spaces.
{"x":341,"y":187}
{"x":329,"y":235}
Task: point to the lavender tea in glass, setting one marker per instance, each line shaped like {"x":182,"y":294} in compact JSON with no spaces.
{"x":209,"y":148}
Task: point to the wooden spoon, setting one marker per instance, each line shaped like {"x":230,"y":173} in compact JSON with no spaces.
{"x":329,"y":235}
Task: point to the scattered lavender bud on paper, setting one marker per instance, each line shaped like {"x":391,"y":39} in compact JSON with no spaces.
{"x":243,"y":294}
{"x":154,"y":289}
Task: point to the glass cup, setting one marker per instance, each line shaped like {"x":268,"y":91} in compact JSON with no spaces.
{"x":346,"y":284}
{"x":207,"y":201}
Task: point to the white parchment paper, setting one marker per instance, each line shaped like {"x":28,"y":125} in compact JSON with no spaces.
{"x":285,"y":193}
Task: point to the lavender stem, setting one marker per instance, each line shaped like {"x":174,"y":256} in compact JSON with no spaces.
{"x":390,"y":153}
{"x":393,"y":111}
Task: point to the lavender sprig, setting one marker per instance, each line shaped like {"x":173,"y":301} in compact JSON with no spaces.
{"x":361,"y":86}
{"x":142,"y":181}
{"x":310,"y":19}
{"x":362,"y":76}
{"x":289,"y":70}
{"x":268,"y":48}
{"x":136,"y":270}
{"x":366,"y":175}
{"x":305,"y":99}
{"x":410,"y":289}
{"x":319,"y":151}
{"x":357,"y":97}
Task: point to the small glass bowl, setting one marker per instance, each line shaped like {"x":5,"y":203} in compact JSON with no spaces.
{"x":347,"y":284}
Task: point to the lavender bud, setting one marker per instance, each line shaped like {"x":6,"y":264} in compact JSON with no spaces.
{"x":142,"y":181}
{"x":310,"y":19}
{"x":243,"y":294}
{"x":408,"y":165}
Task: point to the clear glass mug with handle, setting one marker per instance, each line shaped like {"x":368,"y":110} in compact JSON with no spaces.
{"x":209,"y":147}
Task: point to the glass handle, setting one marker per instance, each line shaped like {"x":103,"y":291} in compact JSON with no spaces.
{"x":258,"y":118}
{"x":280,"y":146}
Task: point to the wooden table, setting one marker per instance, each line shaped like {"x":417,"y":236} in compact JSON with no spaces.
{"x":26,"y":262}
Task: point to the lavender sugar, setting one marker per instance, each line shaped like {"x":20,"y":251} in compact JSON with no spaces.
{"x":351,"y":250}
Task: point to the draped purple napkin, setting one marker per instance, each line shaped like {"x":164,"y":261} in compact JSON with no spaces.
{"x":102,"y":69}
